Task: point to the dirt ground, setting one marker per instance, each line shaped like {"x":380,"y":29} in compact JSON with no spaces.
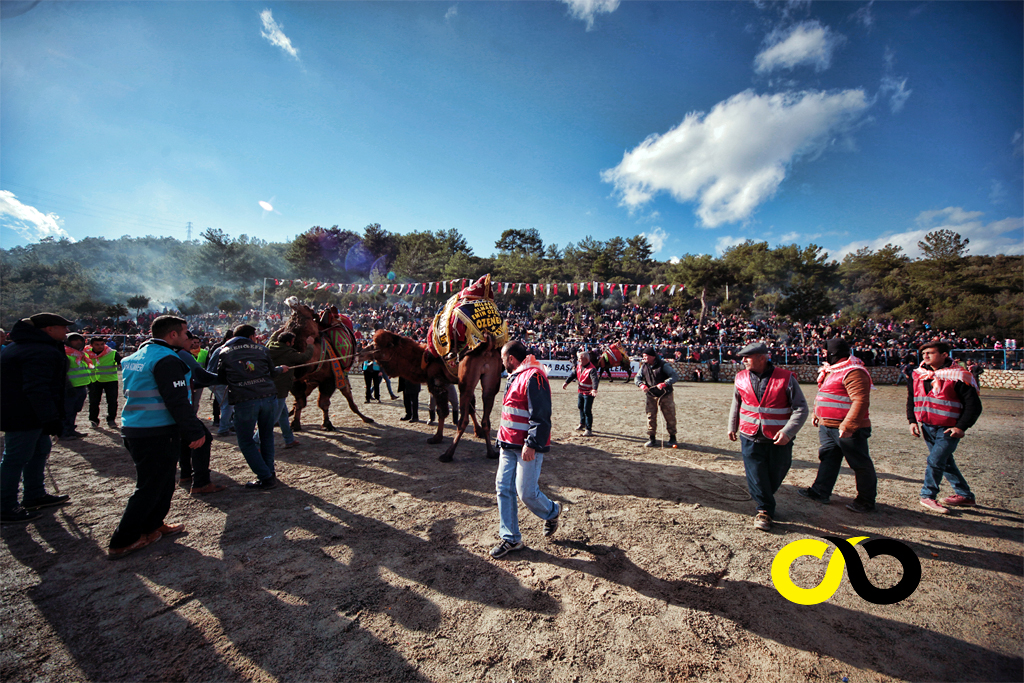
{"x":369,"y":562}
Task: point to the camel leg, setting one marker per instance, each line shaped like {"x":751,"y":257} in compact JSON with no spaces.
{"x":299,"y":392}
{"x":490,"y":385}
{"x":346,"y":391}
{"x":465,"y":397}
{"x":323,"y":401}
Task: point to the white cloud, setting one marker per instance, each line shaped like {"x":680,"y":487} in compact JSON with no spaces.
{"x":726,"y":241}
{"x":863,"y":15}
{"x":998,"y":193}
{"x":807,"y":43}
{"x":673,"y":260}
{"x":1017,"y":143}
{"x":28,"y":221}
{"x":452,"y":12}
{"x":998,"y":237}
{"x":273,"y":33}
{"x":586,"y":10}
{"x":735,"y":158}
{"x":656,"y":238}
{"x":789,"y":238}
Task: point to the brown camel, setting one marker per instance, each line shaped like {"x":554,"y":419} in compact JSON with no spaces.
{"x":408,"y":359}
{"x":333,"y":350}
{"x":604,"y":360}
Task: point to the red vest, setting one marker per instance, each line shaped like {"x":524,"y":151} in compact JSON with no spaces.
{"x":515,"y":407}
{"x":586,"y":376}
{"x":940,"y":408}
{"x":773,"y":411}
{"x":833,"y":401}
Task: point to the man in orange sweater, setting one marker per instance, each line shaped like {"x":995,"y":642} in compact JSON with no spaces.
{"x":841,"y":416}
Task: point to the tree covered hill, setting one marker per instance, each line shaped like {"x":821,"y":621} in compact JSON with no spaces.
{"x":973,"y":295}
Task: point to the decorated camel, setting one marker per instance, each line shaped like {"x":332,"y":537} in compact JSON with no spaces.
{"x":333,"y":355}
{"x":464,"y":348}
{"x":610,"y":356}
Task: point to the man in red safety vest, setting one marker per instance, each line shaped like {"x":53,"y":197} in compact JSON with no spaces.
{"x":768,"y":409}
{"x":524,"y":436}
{"x":942,"y":404}
{"x":841,"y":416}
{"x":588,"y":376}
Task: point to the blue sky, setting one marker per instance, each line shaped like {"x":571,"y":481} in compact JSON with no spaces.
{"x":699,"y":124}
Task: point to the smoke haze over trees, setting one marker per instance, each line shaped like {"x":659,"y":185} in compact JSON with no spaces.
{"x":947,"y":287}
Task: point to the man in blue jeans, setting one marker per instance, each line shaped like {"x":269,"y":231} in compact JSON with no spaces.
{"x":33,"y":372}
{"x":942,"y":404}
{"x":282,"y":351}
{"x":524,"y":436}
{"x":245,"y":366}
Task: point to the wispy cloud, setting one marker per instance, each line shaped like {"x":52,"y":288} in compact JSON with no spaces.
{"x":805,"y":44}
{"x":28,"y":221}
{"x":586,"y":10}
{"x":998,"y":193}
{"x":893,"y":86}
{"x":1017,"y":143}
{"x":273,"y":33}
{"x":863,"y":15}
{"x":656,"y":238}
{"x":452,"y":12}
{"x":734,"y":158}
{"x":1005,"y":236}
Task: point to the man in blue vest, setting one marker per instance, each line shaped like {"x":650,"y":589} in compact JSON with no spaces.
{"x":157,"y":417}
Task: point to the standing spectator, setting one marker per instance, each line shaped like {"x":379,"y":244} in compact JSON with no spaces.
{"x":195,"y":462}
{"x":768,"y":409}
{"x":387,"y":383}
{"x":942,"y":404}
{"x":371,"y":376}
{"x":283,"y":352}
{"x":223,"y":411}
{"x":104,"y":381}
{"x":33,"y":374}
{"x":588,"y":377}
{"x":524,"y":436}
{"x":716,"y":369}
{"x":656,"y":378}
{"x":453,"y":400}
{"x":841,"y":416}
{"x":79,"y":379}
{"x":157,"y":417}
{"x":246,"y":367}
{"x":411,"y":395}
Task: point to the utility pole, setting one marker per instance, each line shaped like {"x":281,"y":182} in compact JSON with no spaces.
{"x":190,"y":231}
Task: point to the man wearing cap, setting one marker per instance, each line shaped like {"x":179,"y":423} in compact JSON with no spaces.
{"x":841,"y":416}
{"x":79,"y":379}
{"x":245,"y":366}
{"x":942,"y":404}
{"x":33,"y":374}
{"x":768,"y":409}
{"x":656,"y":378}
{"x":156,"y":418}
{"x":104,"y":381}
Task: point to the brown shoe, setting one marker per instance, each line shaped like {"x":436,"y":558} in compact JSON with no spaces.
{"x":144,"y":540}
{"x":209,"y":488}
{"x":171,"y":529}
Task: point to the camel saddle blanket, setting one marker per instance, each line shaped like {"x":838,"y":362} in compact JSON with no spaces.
{"x":611,"y":355}
{"x":339,"y":348}
{"x":462,"y":325}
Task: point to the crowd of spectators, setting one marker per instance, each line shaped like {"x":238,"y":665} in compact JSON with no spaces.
{"x":557,"y":331}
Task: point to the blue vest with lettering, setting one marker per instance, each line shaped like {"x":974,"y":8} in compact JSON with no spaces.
{"x":144,"y":407}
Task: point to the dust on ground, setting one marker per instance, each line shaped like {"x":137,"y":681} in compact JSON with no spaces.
{"x":369,"y":562}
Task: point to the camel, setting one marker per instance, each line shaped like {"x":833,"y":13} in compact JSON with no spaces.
{"x":335,"y":347}
{"x":408,"y":359}
{"x":612,"y":355}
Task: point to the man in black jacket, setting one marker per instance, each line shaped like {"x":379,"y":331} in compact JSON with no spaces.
{"x":656,"y":378}
{"x":245,"y":366}
{"x":33,"y":372}
{"x":156,"y":418}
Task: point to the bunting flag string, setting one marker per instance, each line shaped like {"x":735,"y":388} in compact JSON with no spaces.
{"x":446,"y":286}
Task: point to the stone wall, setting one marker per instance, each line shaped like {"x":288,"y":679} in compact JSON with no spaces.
{"x":1002,"y":379}
{"x":807,"y":374}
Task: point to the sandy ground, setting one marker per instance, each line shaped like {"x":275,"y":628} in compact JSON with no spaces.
{"x":370,"y":562}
